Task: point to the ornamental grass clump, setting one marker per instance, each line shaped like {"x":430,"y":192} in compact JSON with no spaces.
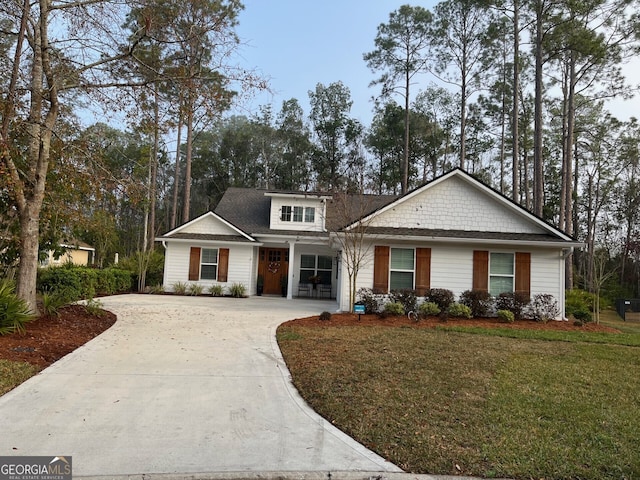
{"x":237,"y":290}
{"x":216,"y":290}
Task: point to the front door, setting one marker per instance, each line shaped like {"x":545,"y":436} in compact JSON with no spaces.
{"x":274,"y":268}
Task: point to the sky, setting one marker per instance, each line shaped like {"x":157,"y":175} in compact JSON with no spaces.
{"x":300,"y":43}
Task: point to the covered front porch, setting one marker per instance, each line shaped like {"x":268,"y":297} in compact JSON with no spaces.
{"x":297,"y":269}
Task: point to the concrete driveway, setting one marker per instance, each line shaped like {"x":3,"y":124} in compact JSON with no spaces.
{"x":180,"y":385}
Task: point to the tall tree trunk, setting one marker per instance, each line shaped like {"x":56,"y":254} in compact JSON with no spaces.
{"x":154,"y":169}
{"x":538,"y":175}
{"x":186,"y":205}
{"x":405,"y":159}
{"x":567,"y":183}
{"x":176,"y":176}
{"x":516,"y":92}
{"x":43,"y":113}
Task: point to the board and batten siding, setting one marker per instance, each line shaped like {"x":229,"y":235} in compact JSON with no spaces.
{"x":452,"y":269}
{"x":176,"y":268}
{"x":454,"y":205}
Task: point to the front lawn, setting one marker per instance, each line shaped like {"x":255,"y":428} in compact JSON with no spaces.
{"x":441,"y":401}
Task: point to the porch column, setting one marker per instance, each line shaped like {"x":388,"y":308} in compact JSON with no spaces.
{"x":290,"y":272}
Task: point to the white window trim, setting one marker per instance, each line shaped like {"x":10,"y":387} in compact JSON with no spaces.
{"x":413,"y":271}
{"x":202,"y":262}
{"x":512,"y":276}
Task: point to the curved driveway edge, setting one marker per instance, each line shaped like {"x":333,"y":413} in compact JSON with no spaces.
{"x":180,"y":385}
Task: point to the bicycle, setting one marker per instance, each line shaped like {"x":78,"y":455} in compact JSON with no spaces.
{"x":413,"y":316}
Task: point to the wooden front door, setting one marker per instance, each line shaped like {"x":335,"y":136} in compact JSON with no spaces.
{"x":274,"y":268}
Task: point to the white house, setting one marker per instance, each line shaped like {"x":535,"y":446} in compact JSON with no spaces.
{"x":453,"y":232}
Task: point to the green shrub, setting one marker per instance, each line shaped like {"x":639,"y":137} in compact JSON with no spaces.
{"x":53,"y":302}
{"x":155,"y":266}
{"x":216,"y":290}
{"x":94,"y":307}
{"x":325,"y":316}
{"x":393,"y":309}
{"x":515,"y":302}
{"x":406,"y":297}
{"x":479,"y":301}
{"x":428,"y":309}
{"x":76,"y":282}
{"x":579,"y":300}
{"x":237,"y":290}
{"x":506,"y":316}
{"x":441,"y":297}
{"x":371,"y":300}
{"x":14,"y":311}
{"x":459,"y":310}
{"x":195,"y":289}
{"x":180,"y":288}
{"x":544,"y":308}
{"x":71,"y":282}
{"x":584,"y":315}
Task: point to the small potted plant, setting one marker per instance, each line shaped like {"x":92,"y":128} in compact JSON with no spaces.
{"x":260,"y":285}
{"x":315,"y":280}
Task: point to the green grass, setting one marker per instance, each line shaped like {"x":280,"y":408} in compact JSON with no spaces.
{"x":451,"y":402}
{"x":13,"y":374}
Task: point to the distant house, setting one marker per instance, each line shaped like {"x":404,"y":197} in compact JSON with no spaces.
{"x":76,"y":252}
{"x":453,"y":232}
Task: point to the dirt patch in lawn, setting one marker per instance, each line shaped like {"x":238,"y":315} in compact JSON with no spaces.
{"x":49,"y":338}
{"x":350,"y":319}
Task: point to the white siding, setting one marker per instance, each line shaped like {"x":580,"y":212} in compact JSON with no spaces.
{"x":452,"y":268}
{"x":241,"y":265}
{"x":276,"y":208}
{"x":209,"y":225}
{"x":455,"y":205}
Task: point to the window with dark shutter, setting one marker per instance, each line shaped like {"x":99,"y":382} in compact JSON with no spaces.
{"x":423,"y":270}
{"x":481,"y":270}
{"x":381,"y":269}
{"x":194,"y":264}
{"x":523,"y":273}
{"x":223,"y":264}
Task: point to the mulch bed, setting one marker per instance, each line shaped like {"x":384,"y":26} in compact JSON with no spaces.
{"x":49,"y":338}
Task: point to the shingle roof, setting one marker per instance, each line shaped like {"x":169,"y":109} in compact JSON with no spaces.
{"x":249,"y":209}
{"x":206,"y":236}
{"x":461,"y":234}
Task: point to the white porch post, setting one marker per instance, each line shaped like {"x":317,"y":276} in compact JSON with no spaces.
{"x":290,"y":272}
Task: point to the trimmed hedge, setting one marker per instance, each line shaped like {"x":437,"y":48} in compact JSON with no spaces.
{"x":73,"y":282}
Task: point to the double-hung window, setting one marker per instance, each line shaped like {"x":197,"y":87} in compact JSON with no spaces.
{"x":209,"y":264}
{"x":501,"y":273}
{"x":285,"y":213}
{"x":297,"y":214}
{"x":309,"y":215}
{"x":402,"y":269}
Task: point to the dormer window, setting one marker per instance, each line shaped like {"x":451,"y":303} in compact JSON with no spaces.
{"x":310,"y":214}
{"x":297,"y":214}
{"x":285,"y":215}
